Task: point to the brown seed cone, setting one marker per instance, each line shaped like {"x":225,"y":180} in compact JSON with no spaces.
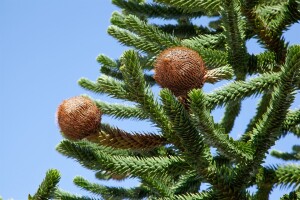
{"x":78,"y":117}
{"x":179,"y":69}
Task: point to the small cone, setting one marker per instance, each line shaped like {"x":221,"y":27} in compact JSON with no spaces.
{"x":179,"y":69}
{"x":78,"y":117}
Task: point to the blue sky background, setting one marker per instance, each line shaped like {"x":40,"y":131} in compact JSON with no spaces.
{"x":45,"y":47}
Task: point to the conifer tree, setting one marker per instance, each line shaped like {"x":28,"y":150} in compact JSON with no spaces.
{"x":174,"y":161}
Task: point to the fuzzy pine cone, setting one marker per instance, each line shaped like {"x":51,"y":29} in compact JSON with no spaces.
{"x":78,"y":117}
{"x":179,"y":69}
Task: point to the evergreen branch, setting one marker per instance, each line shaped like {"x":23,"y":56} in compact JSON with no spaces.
{"x":85,"y":152}
{"x":111,"y":192}
{"x":156,"y":167}
{"x":286,"y":156}
{"x":130,"y":166}
{"x":105,"y":84}
{"x":89,"y":85}
{"x":85,"y":155}
{"x":184,"y":31}
{"x":232,"y":110}
{"x":133,"y":75}
{"x":105,"y":60}
{"x":288,"y":175}
{"x":213,"y":134}
{"x":150,"y":32}
{"x":205,"y":195}
{"x":141,"y":29}
{"x":129,"y":39}
{"x":151,"y":10}
{"x":280,"y":16}
{"x":267,"y":36}
{"x":261,"y":109}
{"x":292,"y":120}
{"x":217,"y":74}
{"x":121,"y":111}
{"x":269,"y":127}
{"x":211,"y":41}
{"x":291,"y":15}
{"x":241,"y":89}
{"x":262,"y":63}
{"x":117,"y":19}
{"x":62,"y":195}
{"x":48,"y":186}
{"x":190,"y":138}
{"x":210,"y":7}
{"x":188,"y":183}
{"x":116,"y":138}
{"x":295,"y":155}
{"x":224,"y":186}
{"x":158,"y":187}
{"x":234,"y":26}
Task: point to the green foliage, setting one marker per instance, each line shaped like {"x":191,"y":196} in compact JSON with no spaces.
{"x":190,"y":139}
{"x":234,"y":26}
{"x":62,"y":195}
{"x":127,"y":38}
{"x":154,"y":10}
{"x":121,"y":111}
{"x":150,"y":32}
{"x":241,"y":89}
{"x":111,"y":192}
{"x":188,"y":183}
{"x":288,"y":175}
{"x":209,"y":7}
{"x":96,"y":157}
{"x":189,"y":148}
{"x":295,"y":155}
{"x":215,"y":135}
{"x":47,"y":187}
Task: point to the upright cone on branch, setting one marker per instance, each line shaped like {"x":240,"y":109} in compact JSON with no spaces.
{"x":179,"y":69}
{"x":78,"y":117}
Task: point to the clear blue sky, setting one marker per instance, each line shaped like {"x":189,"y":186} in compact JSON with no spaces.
{"x":45,"y":47}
